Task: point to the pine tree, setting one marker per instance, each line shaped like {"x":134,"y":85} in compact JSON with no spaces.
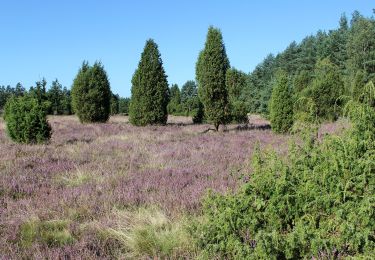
{"x":91,"y":94}
{"x":211,"y":69}
{"x":281,"y":104}
{"x":149,"y":89}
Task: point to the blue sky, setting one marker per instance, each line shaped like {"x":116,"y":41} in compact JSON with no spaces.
{"x":51,"y":38}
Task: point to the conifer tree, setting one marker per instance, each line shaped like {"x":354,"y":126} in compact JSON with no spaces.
{"x":281,"y":104}
{"x":211,"y":69}
{"x":149,"y":89}
{"x":91,"y":94}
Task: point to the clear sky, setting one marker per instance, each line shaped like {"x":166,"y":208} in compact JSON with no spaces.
{"x":51,"y":38}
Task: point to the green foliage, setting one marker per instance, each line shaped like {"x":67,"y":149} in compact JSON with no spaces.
{"x":174,"y":106}
{"x":115,"y":105}
{"x":358,"y":83}
{"x":349,"y":48}
{"x":238,"y":111}
{"x":39,"y":91}
{"x":326,"y":89}
{"x":281,"y":104}
{"x":52,"y":233}
{"x":259,"y":87}
{"x":197,"y":113}
{"x":361,"y":46}
{"x":318,"y":204}
{"x":124,"y":106}
{"x":149,"y":89}
{"x":91,"y":94}
{"x":189,"y":96}
{"x":66,"y":102}
{"x":190,"y":102}
{"x":236,"y":83}
{"x":211,"y":69}
{"x":59,"y":98}
{"x":26,"y":120}
{"x":7,"y":92}
{"x":301,"y":81}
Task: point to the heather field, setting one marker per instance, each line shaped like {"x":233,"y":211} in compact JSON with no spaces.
{"x":56,"y":200}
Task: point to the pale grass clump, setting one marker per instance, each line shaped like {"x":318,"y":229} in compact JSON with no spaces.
{"x":78,"y":177}
{"x":52,"y":233}
{"x":147,"y":232}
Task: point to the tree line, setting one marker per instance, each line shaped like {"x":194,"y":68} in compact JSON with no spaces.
{"x":58,"y":98}
{"x":308,"y":81}
{"x":320,"y":73}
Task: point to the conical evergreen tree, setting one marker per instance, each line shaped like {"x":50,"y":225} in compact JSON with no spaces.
{"x":281,"y":104}
{"x":211,"y":69}
{"x":149,"y":89}
{"x":91,"y":94}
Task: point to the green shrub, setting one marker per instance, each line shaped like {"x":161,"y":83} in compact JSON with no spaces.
{"x":26,"y":120}
{"x":318,"y":203}
{"x":52,"y":233}
{"x":91,"y":94}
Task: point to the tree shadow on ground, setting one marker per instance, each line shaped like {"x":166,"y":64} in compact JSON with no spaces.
{"x":248,"y":127}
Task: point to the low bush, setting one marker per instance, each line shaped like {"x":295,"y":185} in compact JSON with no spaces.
{"x":318,"y":203}
{"x":26,"y":120}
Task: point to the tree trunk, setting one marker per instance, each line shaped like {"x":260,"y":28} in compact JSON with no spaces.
{"x":217,"y":126}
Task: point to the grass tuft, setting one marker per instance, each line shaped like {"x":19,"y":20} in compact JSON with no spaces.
{"x":148,"y":232}
{"x":53,"y":233}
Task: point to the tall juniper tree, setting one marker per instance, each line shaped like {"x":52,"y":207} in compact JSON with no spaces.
{"x":211,"y":69}
{"x":149,"y":89}
{"x":281,"y":104}
{"x":91,"y":94}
